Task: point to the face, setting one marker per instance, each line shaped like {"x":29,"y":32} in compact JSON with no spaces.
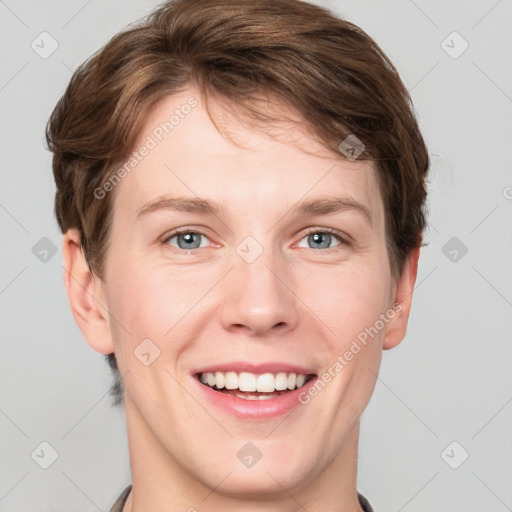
{"x":256,"y":265}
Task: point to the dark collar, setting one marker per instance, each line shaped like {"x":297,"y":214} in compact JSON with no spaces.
{"x":119,"y":504}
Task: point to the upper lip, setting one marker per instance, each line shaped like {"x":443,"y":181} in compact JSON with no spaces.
{"x":259,"y":368}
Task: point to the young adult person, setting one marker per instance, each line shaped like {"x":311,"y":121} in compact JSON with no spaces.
{"x":241,"y":189}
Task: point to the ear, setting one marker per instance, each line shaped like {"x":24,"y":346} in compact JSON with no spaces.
{"x":86,"y":295}
{"x":397,"y":327}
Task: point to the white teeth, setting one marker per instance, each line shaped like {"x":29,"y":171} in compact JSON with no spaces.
{"x":301,"y":379}
{"x":250,"y":382}
{"x":247,"y":381}
{"x":281,"y":382}
{"x":265,"y":383}
{"x":219,"y":380}
{"x":231,"y":380}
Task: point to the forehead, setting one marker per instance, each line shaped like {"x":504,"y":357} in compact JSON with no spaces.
{"x":246,"y":166}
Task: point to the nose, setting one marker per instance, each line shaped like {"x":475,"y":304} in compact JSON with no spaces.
{"x":259,"y":297}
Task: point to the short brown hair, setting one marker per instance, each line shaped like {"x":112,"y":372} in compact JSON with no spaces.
{"x":327,"y":69}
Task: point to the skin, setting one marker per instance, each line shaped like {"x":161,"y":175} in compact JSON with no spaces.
{"x":295,"y":303}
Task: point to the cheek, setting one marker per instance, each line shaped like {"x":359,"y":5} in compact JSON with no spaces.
{"x":155,"y":304}
{"x":145,"y":306}
{"x":147,"y":332}
{"x":168,"y":306}
{"x":348,"y":300}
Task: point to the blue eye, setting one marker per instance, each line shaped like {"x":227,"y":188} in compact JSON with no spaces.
{"x":186,"y":240}
{"x":189,"y":240}
{"x":321,"y":239}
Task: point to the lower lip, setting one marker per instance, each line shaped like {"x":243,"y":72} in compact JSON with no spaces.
{"x":255,"y":409}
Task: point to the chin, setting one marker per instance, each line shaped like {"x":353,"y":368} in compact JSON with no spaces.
{"x":267,"y":482}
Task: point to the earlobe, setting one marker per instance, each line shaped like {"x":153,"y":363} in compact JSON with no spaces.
{"x":86,"y":295}
{"x":397,"y":327}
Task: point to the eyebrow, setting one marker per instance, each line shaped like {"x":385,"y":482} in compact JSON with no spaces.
{"x":182,"y":204}
{"x":317,"y":206}
{"x":329,"y":205}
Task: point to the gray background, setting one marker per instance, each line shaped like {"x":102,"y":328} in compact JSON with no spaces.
{"x":449,"y":381}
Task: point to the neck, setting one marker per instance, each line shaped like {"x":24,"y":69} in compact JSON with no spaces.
{"x":160,"y":483}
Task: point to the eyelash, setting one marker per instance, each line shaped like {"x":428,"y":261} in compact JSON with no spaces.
{"x":311,"y":231}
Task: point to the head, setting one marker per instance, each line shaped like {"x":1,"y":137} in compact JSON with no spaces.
{"x":223,"y":119}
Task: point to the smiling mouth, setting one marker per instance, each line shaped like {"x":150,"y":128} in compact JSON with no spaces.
{"x":251,"y":386}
